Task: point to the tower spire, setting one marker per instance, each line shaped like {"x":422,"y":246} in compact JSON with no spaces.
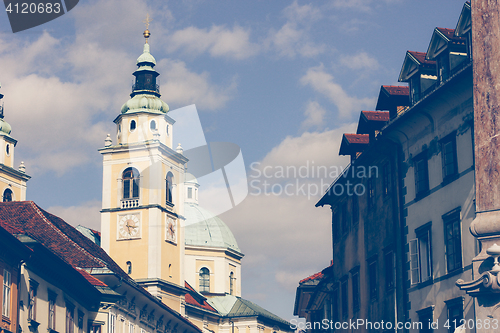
{"x":146,"y":32}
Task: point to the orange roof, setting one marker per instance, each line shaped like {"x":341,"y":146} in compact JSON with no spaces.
{"x":357,"y":138}
{"x":376,"y":115}
{"x":397,"y":90}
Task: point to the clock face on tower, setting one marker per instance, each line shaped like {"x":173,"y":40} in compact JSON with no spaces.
{"x":171,"y":230}
{"x":129,"y":226}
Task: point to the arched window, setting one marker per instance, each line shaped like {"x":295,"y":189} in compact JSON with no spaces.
{"x":152,"y":125}
{"x":231,"y":283}
{"x":130,"y":183}
{"x":7,"y":195}
{"x":170,"y":179}
{"x":129,"y":267}
{"x":132,"y":125}
{"x":204,"y":280}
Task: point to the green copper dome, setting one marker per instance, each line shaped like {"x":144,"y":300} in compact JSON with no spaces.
{"x":5,"y":127}
{"x":205,"y":229}
{"x":145,"y":102}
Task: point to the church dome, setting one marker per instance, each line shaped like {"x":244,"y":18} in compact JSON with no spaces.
{"x":145,"y":102}
{"x":205,"y":229}
{"x":5,"y":127}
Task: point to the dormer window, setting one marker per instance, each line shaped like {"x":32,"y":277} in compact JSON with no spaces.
{"x":443,"y":67}
{"x":415,"y":88}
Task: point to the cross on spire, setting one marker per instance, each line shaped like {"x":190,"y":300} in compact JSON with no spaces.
{"x":146,"y":32}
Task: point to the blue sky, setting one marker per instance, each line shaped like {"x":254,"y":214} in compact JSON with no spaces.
{"x":282,"y":79}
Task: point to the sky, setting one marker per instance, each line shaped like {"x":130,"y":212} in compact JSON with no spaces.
{"x":281,"y":79}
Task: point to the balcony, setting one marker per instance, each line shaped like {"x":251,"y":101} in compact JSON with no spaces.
{"x":130,"y":203}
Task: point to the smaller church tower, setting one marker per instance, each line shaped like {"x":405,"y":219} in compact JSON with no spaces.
{"x":12,"y":181}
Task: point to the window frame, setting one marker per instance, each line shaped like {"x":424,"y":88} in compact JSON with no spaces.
{"x":386,"y":179}
{"x":70,"y":317}
{"x":344,"y":294}
{"x":355,"y":287}
{"x":425,"y":232}
{"x":204,"y":280}
{"x":231,"y":283}
{"x":131,"y":183}
{"x":52,"y":301}
{"x":453,"y":305}
{"x":449,"y":141}
{"x":426,"y":315}
{"x":32,"y":300}
{"x":169,"y":178}
{"x":7,"y":293}
{"x":370,"y":192}
{"x":453,"y":218}
{"x":389,"y":269}
{"x":421,"y":174}
{"x":10,"y":196}
{"x":372,"y":269}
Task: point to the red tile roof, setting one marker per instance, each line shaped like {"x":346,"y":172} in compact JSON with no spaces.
{"x":10,"y":228}
{"x":56,"y":235}
{"x":192,"y":301}
{"x":94,"y":281}
{"x":376,"y":115}
{"x":420,"y":56}
{"x":315,"y":276}
{"x":450,"y":34}
{"x":397,"y":90}
{"x":357,"y":138}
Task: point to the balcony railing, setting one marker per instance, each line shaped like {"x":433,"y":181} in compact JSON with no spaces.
{"x":146,"y":86}
{"x":130,"y":203}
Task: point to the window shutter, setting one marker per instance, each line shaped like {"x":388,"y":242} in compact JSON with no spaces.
{"x":414,"y":264}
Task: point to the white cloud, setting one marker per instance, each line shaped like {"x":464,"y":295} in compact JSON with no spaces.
{"x":218,"y":42}
{"x":362,"y":5}
{"x":359,"y":61}
{"x":324,"y":83}
{"x":315,"y":115}
{"x":88,"y":214}
{"x":183,"y":87}
{"x":293,"y":38}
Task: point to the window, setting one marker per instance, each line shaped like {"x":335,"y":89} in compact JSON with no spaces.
{"x":6,"y":300}
{"x":169,"y":178}
{"x":152,"y":125}
{"x":32,"y":300}
{"x":95,"y":328}
{"x":132,"y":125}
{"x":443,"y":66}
{"x":421,"y":254}
{"x":7,"y":149}
{"x":455,"y":312}
{"x":355,"y":209}
{"x":70,"y":317}
{"x":190,"y":193}
{"x":129,"y":267}
{"x":130,"y":183}
{"x":80,"y":321}
{"x":131,"y":328}
{"x":52,"y":310}
{"x":204,"y":280}
{"x":426,"y":317}
{"x":345,"y":221}
{"x":355,"y":290}
{"x":421,"y":174}
{"x":386,"y":179}
{"x":345,"y":297}
{"x":231,"y":283}
{"x":453,"y":240}
{"x":372,"y":278}
{"x":335,"y":304}
{"x":415,"y":88}
{"x":7,"y":195}
{"x":370,"y":191}
{"x":389,"y":269}
{"x":449,"y":156}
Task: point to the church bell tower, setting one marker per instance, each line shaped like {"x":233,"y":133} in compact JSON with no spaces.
{"x":142,"y":198}
{"x":12,"y":181}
